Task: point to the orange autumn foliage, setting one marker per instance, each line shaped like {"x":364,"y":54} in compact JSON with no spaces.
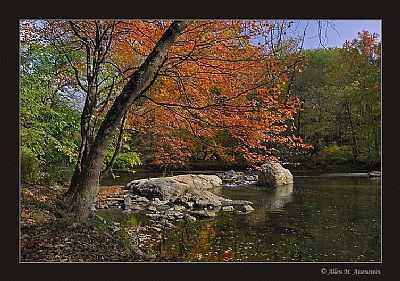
{"x":214,"y":81}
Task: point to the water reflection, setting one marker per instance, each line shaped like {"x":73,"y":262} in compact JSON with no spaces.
{"x":316,"y":219}
{"x":279,"y":197}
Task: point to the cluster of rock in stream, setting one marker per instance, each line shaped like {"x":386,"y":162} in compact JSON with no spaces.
{"x":192,"y":196}
{"x":238,"y":178}
{"x":183,"y":197}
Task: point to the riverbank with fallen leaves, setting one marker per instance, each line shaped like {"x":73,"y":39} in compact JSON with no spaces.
{"x":47,"y":234}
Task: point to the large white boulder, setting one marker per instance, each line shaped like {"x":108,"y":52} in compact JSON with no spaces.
{"x":273,"y":174}
{"x":170,"y":188}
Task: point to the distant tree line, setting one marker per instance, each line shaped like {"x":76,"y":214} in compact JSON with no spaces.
{"x":340,"y":113}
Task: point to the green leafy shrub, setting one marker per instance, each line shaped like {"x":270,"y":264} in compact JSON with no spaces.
{"x":55,"y":174}
{"x":335,"y":154}
{"x":30,"y":166}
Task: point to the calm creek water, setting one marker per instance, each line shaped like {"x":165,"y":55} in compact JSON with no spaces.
{"x":317,"y":219}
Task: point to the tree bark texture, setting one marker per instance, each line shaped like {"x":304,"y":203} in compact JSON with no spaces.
{"x":88,"y":182}
{"x":117,"y":148}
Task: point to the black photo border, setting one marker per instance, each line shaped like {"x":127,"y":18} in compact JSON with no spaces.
{"x":12,"y":269}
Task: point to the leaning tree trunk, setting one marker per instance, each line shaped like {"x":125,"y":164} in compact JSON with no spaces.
{"x":88,"y":182}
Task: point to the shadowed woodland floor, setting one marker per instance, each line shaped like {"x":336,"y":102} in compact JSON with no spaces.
{"x":47,"y":234}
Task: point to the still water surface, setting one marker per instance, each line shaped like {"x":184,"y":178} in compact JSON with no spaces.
{"x":326,"y":219}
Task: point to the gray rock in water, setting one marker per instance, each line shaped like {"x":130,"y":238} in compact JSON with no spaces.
{"x":189,"y":217}
{"x":235,"y":202}
{"x":375,"y":174}
{"x":237,"y":178}
{"x":246,"y":209}
{"x":228,"y":208}
{"x":170,"y":188}
{"x":251,"y":178}
{"x":203,"y":214}
{"x":152,"y":208}
{"x":188,"y":190}
{"x":189,"y":204}
{"x":158,"y":202}
{"x":273,"y":174}
{"x":137,"y":207}
{"x":163,"y":208}
{"x":178,"y":208}
{"x":127,"y":202}
{"x":231,"y":175}
{"x":137,"y":198}
{"x":179,"y":196}
{"x":169,"y":225}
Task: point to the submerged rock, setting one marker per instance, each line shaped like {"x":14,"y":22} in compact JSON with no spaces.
{"x":246,"y":209}
{"x":237,"y":178}
{"x":375,"y":174}
{"x":273,"y":174}
{"x":203,"y":214}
